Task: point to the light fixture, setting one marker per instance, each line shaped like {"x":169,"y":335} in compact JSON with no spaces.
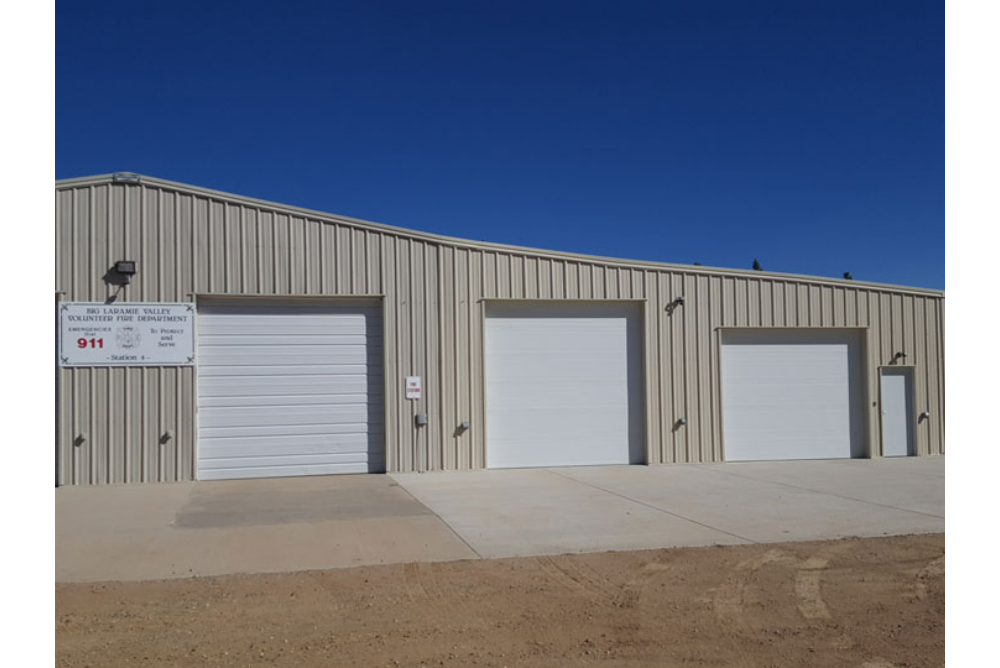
{"x":126,"y":269}
{"x":898,"y":356}
{"x":125,"y":177}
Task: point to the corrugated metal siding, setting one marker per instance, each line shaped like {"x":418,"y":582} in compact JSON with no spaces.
{"x":191,"y":243}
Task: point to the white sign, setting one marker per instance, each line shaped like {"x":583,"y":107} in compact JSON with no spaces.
{"x":413,"y":387}
{"x":127,"y":334}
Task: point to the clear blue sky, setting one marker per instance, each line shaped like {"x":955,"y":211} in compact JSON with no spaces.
{"x":809,"y":135}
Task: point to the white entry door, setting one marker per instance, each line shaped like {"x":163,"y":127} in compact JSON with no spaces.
{"x":791,"y":394}
{"x":897,"y":412}
{"x":563,"y":384}
{"x":289,"y":388}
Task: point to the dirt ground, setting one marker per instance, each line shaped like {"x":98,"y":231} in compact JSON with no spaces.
{"x":869,"y":603}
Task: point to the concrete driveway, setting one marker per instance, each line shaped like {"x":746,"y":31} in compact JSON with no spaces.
{"x":138,"y":532}
{"x":526,"y":512}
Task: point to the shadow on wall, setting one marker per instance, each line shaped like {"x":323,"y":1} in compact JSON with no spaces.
{"x":113,"y":277}
{"x":377,"y":437}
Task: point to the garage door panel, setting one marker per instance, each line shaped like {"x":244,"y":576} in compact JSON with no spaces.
{"x":249,"y":386}
{"x":563,"y":407}
{"x":285,"y":471}
{"x":311,"y":444}
{"x":545,"y":341}
{"x":791,"y":394}
{"x":254,"y":431}
{"x":216,"y":326}
{"x":538,"y":369}
{"x":765,"y":395}
{"x":506,"y":431}
{"x":289,"y":389}
{"x":518,"y":454}
{"x":281,"y":355}
{"x":282,"y":467}
{"x":251,"y":310}
{"x":253,"y":415}
{"x":372,"y":371}
{"x":273,"y":460}
{"x":288,"y":340}
{"x":269,"y":401}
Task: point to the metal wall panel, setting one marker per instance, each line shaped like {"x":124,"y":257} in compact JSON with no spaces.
{"x":190,"y":241}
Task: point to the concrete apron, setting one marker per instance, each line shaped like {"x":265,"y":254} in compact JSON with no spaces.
{"x":139,"y":532}
{"x":177,"y":530}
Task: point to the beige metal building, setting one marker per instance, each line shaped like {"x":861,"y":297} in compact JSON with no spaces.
{"x":308,"y":328}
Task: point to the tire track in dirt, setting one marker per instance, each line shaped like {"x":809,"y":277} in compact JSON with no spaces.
{"x":576,"y":575}
{"x":414,"y":584}
{"x":427,"y":584}
{"x":729,"y":597}
{"x":878,"y":662}
{"x":581,"y":579}
{"x":556,"y":574}
{"x":933,"y":569}
{"x":633,"y":589}
{"x":442,"y":586}
{"x":807,"y":588}
{"x":582,"y":582}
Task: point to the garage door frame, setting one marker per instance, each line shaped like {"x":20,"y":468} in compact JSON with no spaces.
{"x":642,"y":306}
{"x":868,"y":450}
{"x":202,"y":298}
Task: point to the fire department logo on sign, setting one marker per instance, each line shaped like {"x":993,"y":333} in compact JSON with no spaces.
{"x":128,"y":337}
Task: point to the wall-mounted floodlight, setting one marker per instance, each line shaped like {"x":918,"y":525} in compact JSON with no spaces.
{"x":898,"y":356}
{"x":125,"y":268}
{"x":674,"y":304}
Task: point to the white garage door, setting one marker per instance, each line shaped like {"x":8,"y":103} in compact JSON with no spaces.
{"x":563,"y":385}
{"x":290,"y":388}
{"x":791,"y":394}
